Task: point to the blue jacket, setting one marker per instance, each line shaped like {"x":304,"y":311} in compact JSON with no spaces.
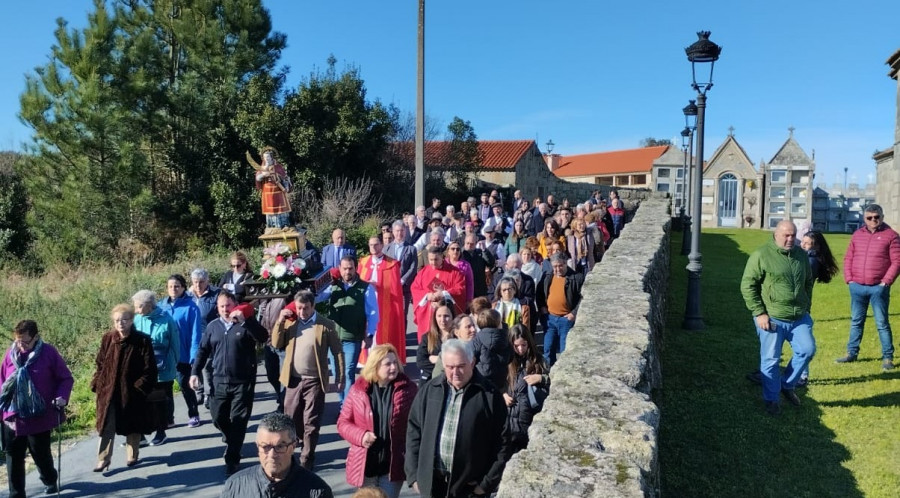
{"x":164,"y":334}
{"x":190,"y":324}
{"x":330,"y":255}
{"x":206,"y":303}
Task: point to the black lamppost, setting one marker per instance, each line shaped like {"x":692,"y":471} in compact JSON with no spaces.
{"x":690,"y":124}
{"x":686,"y":138}
{"x":699,"y":53}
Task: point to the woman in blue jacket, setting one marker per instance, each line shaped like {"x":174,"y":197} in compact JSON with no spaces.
{"x":164,"y":335}
{"x":190,"y":326}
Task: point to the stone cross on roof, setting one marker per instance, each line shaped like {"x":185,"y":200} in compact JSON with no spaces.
{"x":791,"y":130}
{"x":731,"y":131}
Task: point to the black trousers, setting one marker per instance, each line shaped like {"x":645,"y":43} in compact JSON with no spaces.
{"x":39,"y":447}
{"x":183,"y":372}
{"x":231,"y":408}
{"x":164,"y":407}
{"x":273,"y":360}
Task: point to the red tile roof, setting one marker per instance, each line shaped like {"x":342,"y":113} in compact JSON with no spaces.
{"x":502,"y":154}
{"x":495,"y":154}
{"x":609,"y":163}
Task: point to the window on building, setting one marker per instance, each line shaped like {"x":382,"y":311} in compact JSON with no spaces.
{"x":774,"y":221}
{"x":639,"y":180}
{"x":662,"y":187}
{"x":778,"y":192}
{"x":800,"y":177}
{"x":679,"y":173}
{"x":798,"y":192}
{"x":662,"y":173}
{"x":679,"y":187}
{"x":776,"y":207}
{"x":603,"y":180}
{"x":778,"y":176}
{"x":622,"y":180}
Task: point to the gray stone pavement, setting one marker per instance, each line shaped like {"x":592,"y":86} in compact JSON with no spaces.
{"x":190,"y":462}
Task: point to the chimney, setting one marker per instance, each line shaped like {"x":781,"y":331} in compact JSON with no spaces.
{"x":552,"y":161}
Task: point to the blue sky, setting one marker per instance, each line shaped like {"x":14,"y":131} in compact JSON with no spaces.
{"x":590,"y":75}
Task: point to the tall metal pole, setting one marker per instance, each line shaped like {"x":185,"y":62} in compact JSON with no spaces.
{"x":690,"y":174}
{"x":693,"y":318}
{"x":420,"y":111}
{"x":684,"y":174}
{"x":686,"y":232}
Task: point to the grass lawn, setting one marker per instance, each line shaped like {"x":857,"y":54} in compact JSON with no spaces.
{"x":715,"y":437}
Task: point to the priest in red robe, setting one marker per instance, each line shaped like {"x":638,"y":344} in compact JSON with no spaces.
{"x":437,"y":281}
{"x":383,"y":273}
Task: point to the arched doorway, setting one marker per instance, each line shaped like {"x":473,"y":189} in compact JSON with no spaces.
{"x":728,"y":201}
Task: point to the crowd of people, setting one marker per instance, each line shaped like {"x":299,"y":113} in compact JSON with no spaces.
{"x":481,"y":282}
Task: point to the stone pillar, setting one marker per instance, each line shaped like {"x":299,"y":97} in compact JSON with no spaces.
{"x":887,"y":162}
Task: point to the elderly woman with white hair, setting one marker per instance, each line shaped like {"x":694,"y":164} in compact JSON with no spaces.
{"x":156,"y":323}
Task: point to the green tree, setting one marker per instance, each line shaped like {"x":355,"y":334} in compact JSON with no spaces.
{"x":463,"y":157}
{"x":655,"y":142}
{"x":134,"y":120}
{"x":83,"y":165}
{"x":13,"y":208}
{"x":326,"y":128}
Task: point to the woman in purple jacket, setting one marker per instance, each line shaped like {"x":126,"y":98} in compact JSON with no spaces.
{"x":36,"y":384}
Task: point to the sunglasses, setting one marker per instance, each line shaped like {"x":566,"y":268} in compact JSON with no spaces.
{"x":237,"y":265}
{"x":873,"y":218}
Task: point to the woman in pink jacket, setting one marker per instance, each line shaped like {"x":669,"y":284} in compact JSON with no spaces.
{"x":373,"y":420}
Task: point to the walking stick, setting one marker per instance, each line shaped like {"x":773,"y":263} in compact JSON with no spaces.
{"x":59,"y":417}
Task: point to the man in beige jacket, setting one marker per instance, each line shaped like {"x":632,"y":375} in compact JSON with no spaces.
{"x":306,"y":338}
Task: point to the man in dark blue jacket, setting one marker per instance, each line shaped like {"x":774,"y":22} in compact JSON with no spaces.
{"x":230,"y":343}
{"x":337,"y":250}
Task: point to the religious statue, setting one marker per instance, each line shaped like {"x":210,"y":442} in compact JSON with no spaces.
{"x":275,"y":185}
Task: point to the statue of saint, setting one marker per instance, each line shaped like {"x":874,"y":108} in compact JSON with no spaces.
{"x":275,"y":185}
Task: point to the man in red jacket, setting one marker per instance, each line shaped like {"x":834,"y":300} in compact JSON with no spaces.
{"x":871,"y":264}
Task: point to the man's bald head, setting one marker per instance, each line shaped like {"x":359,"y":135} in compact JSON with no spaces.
{"x":785,"y":233}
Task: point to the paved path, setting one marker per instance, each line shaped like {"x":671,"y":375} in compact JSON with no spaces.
{"x":190,"y":462}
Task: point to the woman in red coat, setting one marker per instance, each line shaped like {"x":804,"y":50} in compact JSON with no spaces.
{"x":373,"y":420}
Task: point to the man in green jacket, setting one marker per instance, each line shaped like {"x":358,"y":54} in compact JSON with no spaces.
{"x":777,"y":285}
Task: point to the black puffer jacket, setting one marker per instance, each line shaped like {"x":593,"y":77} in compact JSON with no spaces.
{"x":492,"y":355}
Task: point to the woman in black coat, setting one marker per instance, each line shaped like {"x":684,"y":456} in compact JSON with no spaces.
{"x":233,"y":279}
{"x":529,"y":385}
{"x":126,"y":374}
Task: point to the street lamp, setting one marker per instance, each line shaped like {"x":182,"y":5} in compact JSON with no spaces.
{"x":699,"y":53}
{"x":687,"y":138}
{"x":690,"y":124}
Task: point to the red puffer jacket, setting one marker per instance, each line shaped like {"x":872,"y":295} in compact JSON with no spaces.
{"x":356,"y":419}
{"x":872,"y":257}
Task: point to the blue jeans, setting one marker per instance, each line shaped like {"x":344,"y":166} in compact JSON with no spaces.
{"x":860,"y":297}
{"x":799,"y":334}
{"x":351,"y":357}
{"x":384,"y":483}
{"x":555,"y":337}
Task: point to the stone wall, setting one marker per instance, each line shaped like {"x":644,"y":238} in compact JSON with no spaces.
{"x":597,"y":433}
